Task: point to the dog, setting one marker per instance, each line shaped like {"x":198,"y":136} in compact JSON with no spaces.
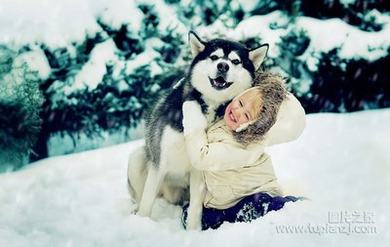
{"x":220,"y":70}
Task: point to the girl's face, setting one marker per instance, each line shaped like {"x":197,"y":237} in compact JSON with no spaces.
{"x":243,"y":109}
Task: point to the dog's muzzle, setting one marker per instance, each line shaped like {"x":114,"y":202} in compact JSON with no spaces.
{"x":219,"y":83}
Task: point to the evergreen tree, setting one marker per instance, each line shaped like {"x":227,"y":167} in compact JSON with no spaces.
{"x":341,"y":85}
{"x":131,"y":81}
{"x":20,"y":102}
{"x":64,"y":67}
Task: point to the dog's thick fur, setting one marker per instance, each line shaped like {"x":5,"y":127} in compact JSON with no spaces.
{"x":220,"y":70}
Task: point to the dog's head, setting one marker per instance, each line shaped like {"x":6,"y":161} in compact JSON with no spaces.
{"x":221,"y":68}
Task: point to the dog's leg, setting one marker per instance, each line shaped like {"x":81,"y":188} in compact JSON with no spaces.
{"x":136,"y":173}
{"x":197,"y":194}
{"x":173,"y":194}
{"x":151,"y":190}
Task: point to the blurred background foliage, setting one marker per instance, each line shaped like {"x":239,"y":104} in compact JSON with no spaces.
{"x":33,"y":107}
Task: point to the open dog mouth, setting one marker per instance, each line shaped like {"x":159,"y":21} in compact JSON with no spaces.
{"x":219,"y":83}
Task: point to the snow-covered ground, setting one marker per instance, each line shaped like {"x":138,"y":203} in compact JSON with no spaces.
{"x":341,"y":163}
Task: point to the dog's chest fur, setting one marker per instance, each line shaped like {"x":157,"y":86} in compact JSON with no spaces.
{"x":174,"y":155}
{"x":174,"y":158}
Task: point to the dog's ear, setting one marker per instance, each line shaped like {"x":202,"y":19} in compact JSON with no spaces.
{"x":258,"y":54}
{"x":197,"y":45}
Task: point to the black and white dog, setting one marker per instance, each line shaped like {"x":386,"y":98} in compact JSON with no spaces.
{"x":220,"y":70}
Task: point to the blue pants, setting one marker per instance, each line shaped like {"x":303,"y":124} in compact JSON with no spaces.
{"x":247,"y":209}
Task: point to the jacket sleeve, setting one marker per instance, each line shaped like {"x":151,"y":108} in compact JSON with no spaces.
{"x":289,"y":124}
{"x":217,"y":156}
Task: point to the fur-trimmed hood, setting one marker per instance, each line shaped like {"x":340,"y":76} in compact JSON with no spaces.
{"x":272,"y":87}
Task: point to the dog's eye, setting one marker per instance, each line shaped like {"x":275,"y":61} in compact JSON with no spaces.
{"x":214,"y":57}
{"x":236,"y":61}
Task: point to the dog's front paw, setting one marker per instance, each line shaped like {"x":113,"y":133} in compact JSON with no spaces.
{"x":141,"y":214}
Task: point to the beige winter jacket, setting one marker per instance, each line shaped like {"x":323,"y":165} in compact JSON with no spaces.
{"x":231,"y":170}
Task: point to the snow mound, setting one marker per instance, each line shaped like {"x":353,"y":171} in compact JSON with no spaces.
{"x":341,"y":163}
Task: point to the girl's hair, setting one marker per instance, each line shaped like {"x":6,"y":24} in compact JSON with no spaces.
{"x":273,"y":92}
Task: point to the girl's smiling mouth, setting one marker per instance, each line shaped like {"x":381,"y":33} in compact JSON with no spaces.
{"x":231,"y":115}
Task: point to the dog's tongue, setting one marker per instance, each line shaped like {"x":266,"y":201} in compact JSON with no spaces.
{"x":219,"y":80}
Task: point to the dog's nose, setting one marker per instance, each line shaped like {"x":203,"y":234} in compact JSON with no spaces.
{"x":223,"y":67}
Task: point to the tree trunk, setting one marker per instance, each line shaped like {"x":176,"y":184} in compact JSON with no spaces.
{"x":40,"y":149}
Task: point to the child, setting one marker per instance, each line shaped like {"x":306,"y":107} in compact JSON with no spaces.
{"x":238,"y":174}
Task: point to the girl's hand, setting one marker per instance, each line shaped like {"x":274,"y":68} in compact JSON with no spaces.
{"x":193,"y":118}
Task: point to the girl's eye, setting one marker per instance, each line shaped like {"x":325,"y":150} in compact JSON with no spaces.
{"x":235,"y":61}
{"x":247,"y":116}
{"x":214,"y":57}
{"x":240,"y":103}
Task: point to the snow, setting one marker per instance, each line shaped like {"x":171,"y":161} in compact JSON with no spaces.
{"x":11,"y":80}
{"x":36,"y":61}
{"x":118,"y":12}
{"x":168,"y":16}
{"x":340,"y":163}
{"x":148,"y":56}
{"x":54,"y":23}
{"x":101,"y":55}
{"x":325,"y":35}
{"x":60,"y":23}
{"x":64,"y":22}
{"x":59,"y":144}
{"x":354,"y":43}
{"x":262,"y":23}
{"x":247,"y":5}
{"x":347,"y":2}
